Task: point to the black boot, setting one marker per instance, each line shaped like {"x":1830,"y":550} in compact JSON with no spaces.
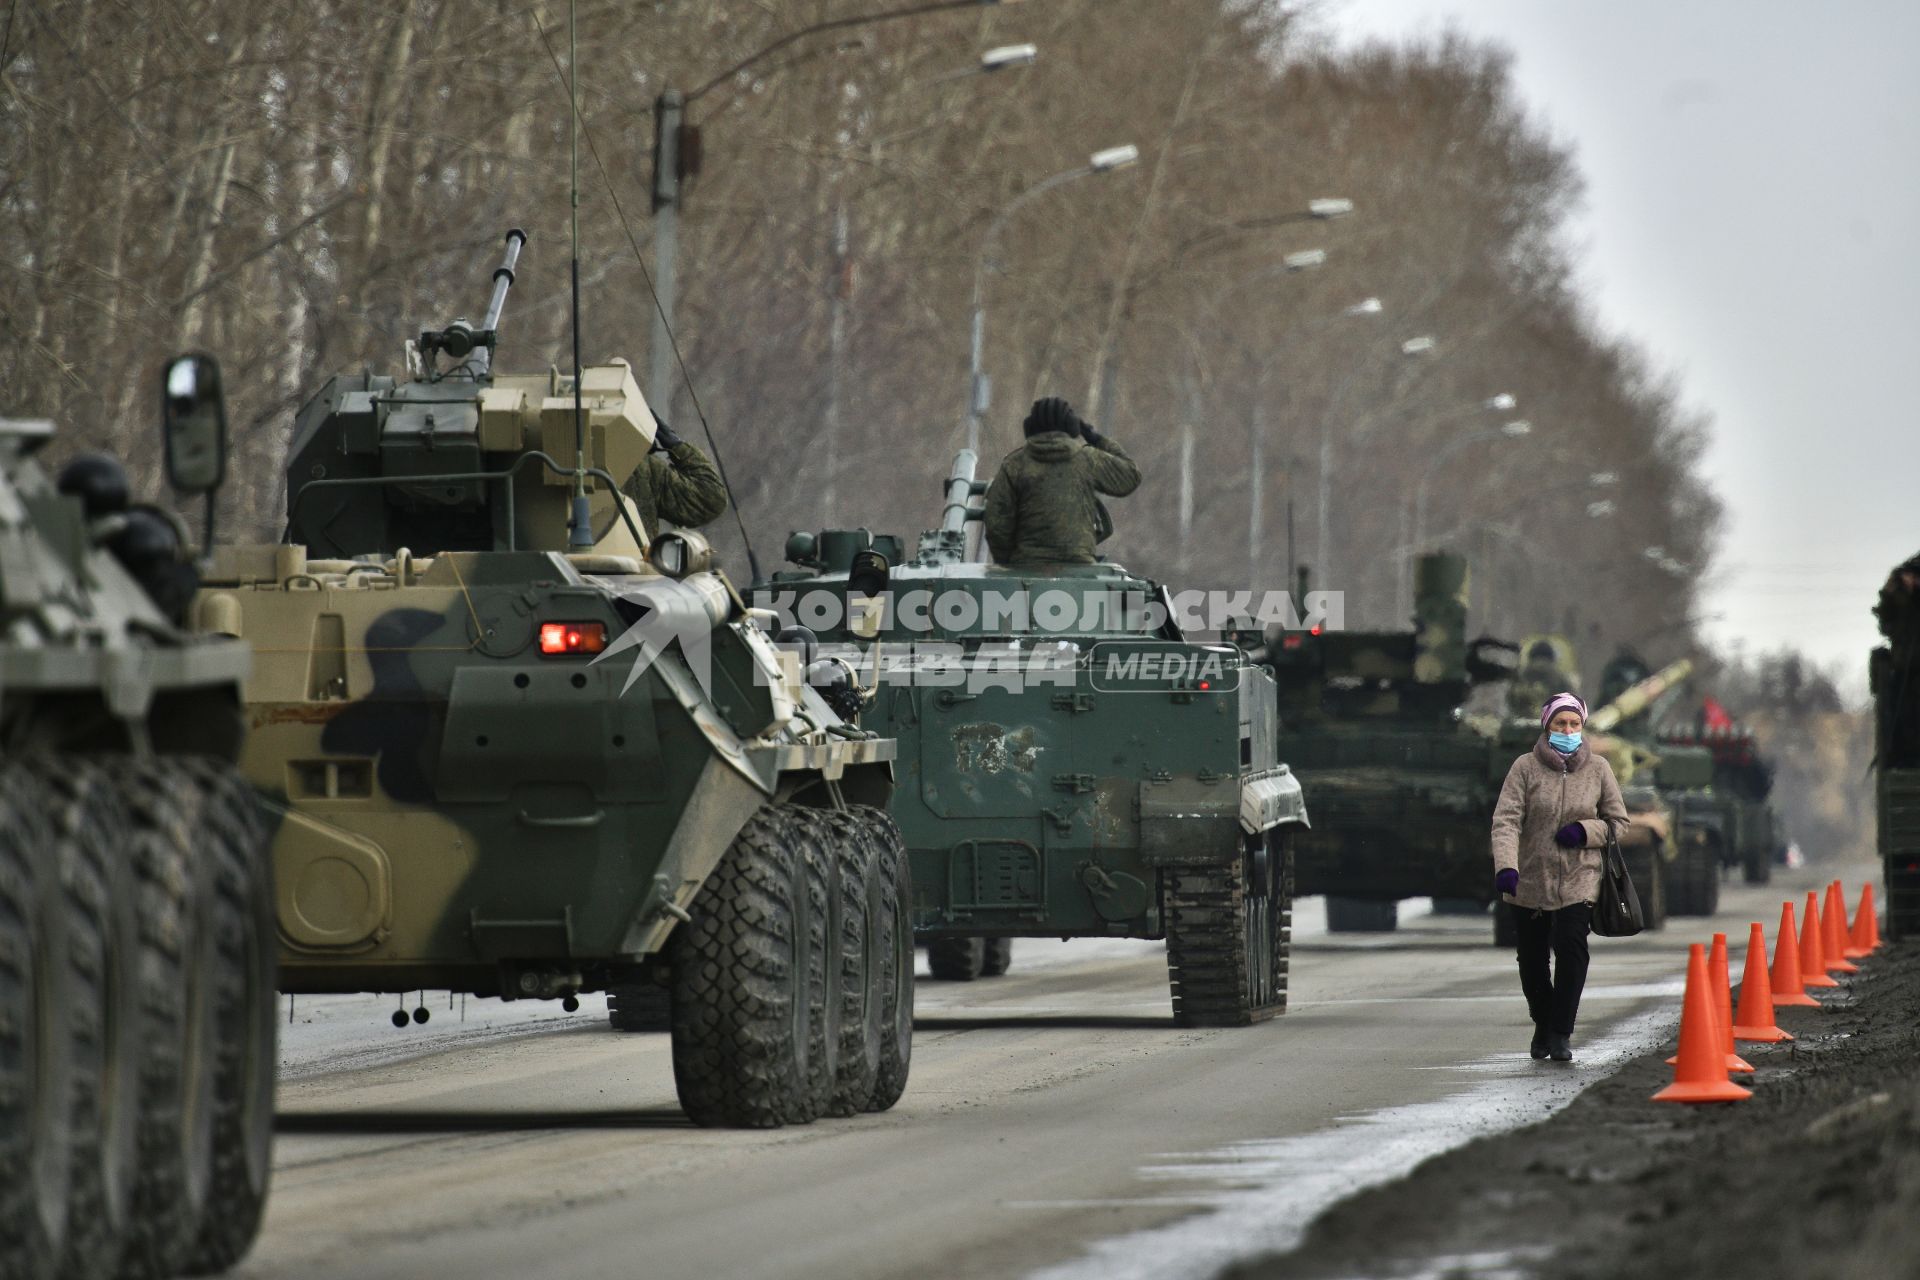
{"x":1558,"y":1049}
{"x":1538,"y":1049}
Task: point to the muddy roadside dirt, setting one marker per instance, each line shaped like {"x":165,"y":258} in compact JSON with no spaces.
{"x":1818,"y":1174}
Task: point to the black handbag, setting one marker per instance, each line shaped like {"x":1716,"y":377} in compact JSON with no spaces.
{"x":1616,"y":912}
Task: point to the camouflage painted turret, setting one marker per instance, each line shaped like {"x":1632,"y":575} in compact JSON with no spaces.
{"x":136,"y":975}
{"x":1373,"y":723}
{"x":1894,"y":674}
{"x":1070,"y":764}
{"x":513,"y":750}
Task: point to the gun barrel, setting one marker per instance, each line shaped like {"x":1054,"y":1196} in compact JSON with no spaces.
{"x":959,"y":489}
{"x":503,"y":278}
{"x":1638,"y":697}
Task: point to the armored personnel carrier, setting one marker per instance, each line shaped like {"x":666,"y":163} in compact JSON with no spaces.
{"x":1070,"y":765}
{"x":136,"y":964}
{"x":513,"y":747}
{"x":1894,"y":676}
{"x":1374,"y":726}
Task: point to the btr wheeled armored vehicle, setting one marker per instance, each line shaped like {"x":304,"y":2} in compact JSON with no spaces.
{"x":513,"y":747}
{"x":136,"y":963}
{"x":1070,"y":764}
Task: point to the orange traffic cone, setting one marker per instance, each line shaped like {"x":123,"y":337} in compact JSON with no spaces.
{"x":1813,"y":951}
{"x":1787,"y":988}
{"x":1701,"y":1072}
{"x":1723,"y":1003}
{"x":1833,"y":931}
{"x":1755,"y":1019}
{"x":1866,"y":927}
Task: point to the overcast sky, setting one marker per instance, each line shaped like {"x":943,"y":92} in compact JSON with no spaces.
{"x":1753,"y":202}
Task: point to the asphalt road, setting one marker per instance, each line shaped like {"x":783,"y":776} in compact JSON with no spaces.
{"x":1055,"y":1120}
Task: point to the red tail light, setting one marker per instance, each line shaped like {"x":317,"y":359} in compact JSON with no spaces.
{"x":561,"y":638}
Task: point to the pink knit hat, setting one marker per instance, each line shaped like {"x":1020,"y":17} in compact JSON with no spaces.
{"x":1561,"y":702}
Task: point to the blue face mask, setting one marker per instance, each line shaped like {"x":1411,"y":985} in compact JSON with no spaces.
{"x":1565,"y":743}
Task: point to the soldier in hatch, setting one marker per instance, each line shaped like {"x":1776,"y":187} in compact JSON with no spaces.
{"x":1044,"y":505}
{"x":676,"y":483}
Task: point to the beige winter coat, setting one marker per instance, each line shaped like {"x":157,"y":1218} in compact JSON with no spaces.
{"x":1544,"y":792}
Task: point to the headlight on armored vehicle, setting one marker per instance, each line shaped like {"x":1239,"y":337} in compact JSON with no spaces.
{"x":564,"y":639}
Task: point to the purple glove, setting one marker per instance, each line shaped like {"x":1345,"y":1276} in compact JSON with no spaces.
{"x":1571,"y":836}
{"x":1506,"y":881}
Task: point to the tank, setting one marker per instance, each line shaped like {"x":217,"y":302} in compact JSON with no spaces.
{"x":1375,"y":727}
{"x":137,"y":1021}
{"x":1070,"y":764}
{"x":1894,"y":676}
{"x":511,"y":747}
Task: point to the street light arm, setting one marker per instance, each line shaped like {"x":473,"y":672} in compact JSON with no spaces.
{"x":836,"y":24}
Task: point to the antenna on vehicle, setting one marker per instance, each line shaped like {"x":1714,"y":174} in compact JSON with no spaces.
{"x":580,"y":530}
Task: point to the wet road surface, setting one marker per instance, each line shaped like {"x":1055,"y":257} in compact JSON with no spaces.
{"x":1055,"y":1120}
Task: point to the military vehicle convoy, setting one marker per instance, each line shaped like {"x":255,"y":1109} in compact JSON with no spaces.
{"x":1070,"y":765}
{"x":137,"y":1046}
{"x":1894,"y":675}
{"x":512,"y":748}
{"x":1374,"y":727}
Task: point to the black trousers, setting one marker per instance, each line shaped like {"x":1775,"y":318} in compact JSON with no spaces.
{"x":1553,"y":1000}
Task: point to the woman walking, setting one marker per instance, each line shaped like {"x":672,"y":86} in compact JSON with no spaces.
{"x":1556,"y":810}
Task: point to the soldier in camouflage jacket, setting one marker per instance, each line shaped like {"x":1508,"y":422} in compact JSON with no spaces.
{"x":1044,"y":505}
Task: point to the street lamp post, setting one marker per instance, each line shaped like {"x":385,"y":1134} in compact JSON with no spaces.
{"x":1323,"y":483}
{"x":1515,"y":430}
{"x":1290,"y":264}
{"x":677,"y":155}
{"x":979,"y":390}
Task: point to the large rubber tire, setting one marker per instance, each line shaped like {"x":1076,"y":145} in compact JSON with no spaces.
{"x":232,"y":839}
{"x":1361,"y":915}
{"x":88,"y":834}
{"x":996,"y":958}
{"x":36,"y":1040}
{"x":749,"y":987}
{"x":891,"y":887}
{"x":957,"y":959}
{"x":1229,"y":937}
{"x":639,"y":1007}
{"x":1758,"y":868}
{"x":179,"y":1029}
{"x":858,"y":971}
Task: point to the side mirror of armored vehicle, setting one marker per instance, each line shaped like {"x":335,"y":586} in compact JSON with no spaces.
{"x":868,"y":578}
{"x":193,"y":424}
{"x":679,"y":553}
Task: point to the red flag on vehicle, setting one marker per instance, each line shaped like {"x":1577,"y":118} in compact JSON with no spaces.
{"x":1714,"y":716}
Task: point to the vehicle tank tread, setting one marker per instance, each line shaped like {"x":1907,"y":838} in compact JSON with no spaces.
{"x":1212,"y":929}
